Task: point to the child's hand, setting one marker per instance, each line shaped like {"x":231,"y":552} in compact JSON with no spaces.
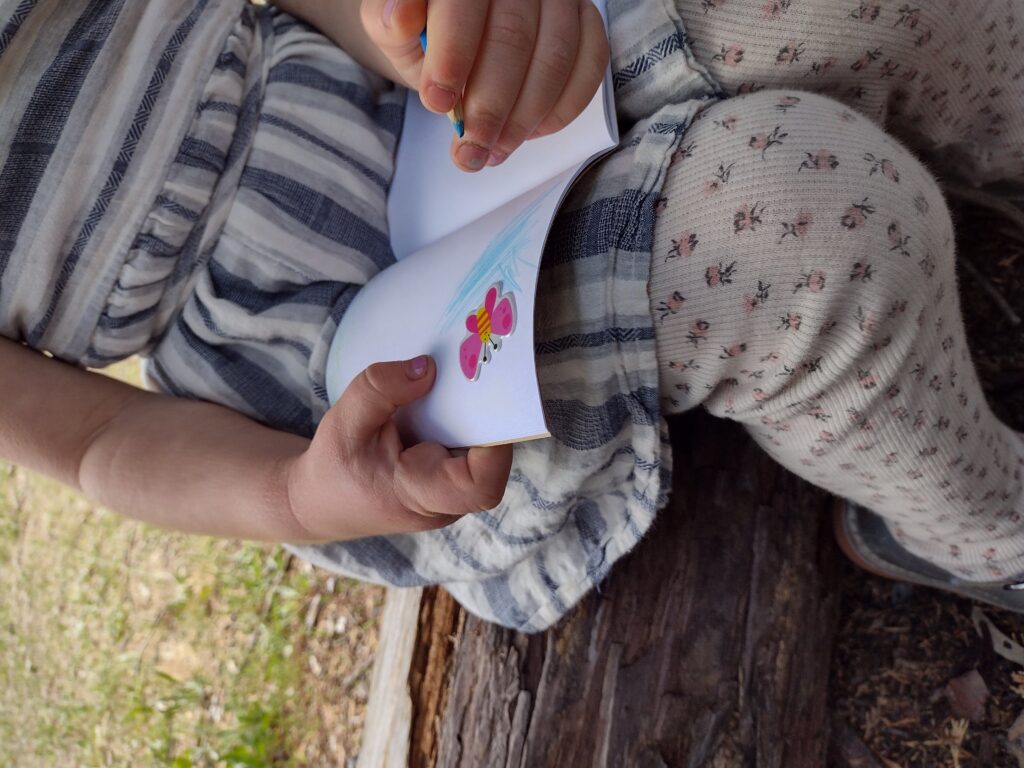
{"x":525,"y":68}
{"x":356,"y":479}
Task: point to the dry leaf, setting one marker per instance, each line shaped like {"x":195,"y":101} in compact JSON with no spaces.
{"x":967,"y":695}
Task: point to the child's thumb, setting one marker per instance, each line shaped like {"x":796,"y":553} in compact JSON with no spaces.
{"x":375,"y":394}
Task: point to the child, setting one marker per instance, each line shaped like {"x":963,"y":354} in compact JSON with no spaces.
{"x":204,"y":183}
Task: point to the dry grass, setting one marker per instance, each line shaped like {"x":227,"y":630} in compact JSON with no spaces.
{"x":121,"y":644}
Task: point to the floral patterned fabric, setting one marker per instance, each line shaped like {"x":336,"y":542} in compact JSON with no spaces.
{"x":804,"y":272}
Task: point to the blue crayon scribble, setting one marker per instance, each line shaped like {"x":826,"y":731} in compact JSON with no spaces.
{"x":500,"y":262}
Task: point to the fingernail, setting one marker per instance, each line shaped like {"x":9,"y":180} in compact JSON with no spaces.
{"x":417,"y":367}
{"x":389,"y":9}
{"x":472,"y":156}
{"x":496,"y":157}
{"x":440,"y":98}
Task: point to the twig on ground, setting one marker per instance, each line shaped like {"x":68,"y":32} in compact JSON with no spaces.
{"x":996,"y":203}
{"x":957,"y":734}
{"x":351,"y":678}
{"x":268,"y":599}
{"x":313,"y":612}
{"x":268,"y":604}
{"x":994,"y":294}
{"x":149,"y":638}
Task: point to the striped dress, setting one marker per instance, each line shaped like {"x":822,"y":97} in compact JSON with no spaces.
{"x":203,"y":183}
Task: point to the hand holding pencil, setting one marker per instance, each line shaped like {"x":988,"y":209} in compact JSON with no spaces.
{"x":455,"y":114}
{"x":520,"y":68}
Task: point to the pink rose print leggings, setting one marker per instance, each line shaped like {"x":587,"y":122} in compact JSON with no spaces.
{"x":804,"y":278}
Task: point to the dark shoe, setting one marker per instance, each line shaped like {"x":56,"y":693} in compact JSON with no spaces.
{"x":865,"y":539}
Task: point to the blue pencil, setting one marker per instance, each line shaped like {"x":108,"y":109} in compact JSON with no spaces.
{"x":455,"y":115}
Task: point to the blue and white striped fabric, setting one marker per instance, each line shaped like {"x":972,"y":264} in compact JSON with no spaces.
{"x":204,"y":182}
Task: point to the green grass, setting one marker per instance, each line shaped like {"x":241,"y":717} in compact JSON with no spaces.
{"x":121,"y":644}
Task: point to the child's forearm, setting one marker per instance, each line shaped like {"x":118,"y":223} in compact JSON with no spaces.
{"x":180,"y":464}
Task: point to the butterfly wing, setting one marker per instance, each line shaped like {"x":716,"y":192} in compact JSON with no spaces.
{"x":503,"y":316}
{"x":472,"y":324}
{"x":469,"y":355}
{"x":490,"y":298}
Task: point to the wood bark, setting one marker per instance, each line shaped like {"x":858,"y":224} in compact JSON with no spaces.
{"x":390,"y":710}
{"x":709,"y":645}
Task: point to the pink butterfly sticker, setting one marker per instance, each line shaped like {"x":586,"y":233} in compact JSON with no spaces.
{"x":491,"y":322}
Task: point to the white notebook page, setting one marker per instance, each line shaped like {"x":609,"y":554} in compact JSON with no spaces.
{"x":419,"y":306}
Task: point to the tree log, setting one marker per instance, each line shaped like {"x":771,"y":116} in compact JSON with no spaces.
{"x":709,"y":645}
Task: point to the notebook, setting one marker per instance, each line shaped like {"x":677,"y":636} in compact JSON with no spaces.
{"x":468,"y":250}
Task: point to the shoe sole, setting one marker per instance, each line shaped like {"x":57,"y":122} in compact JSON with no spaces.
{"x":843,"y":540}
{"x":1001,"y":599}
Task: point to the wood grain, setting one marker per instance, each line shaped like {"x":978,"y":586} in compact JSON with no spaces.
{"x":708,"y":646}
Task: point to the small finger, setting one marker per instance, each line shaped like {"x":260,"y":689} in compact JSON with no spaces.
{"x":501,"y":65}
{"x":553,"y":60}
{"x":429,"y":480}
{"x":488,"y":468}
{"x":372,"y":398}
{"x":454,"y":29}
{"x":587,"y":74}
